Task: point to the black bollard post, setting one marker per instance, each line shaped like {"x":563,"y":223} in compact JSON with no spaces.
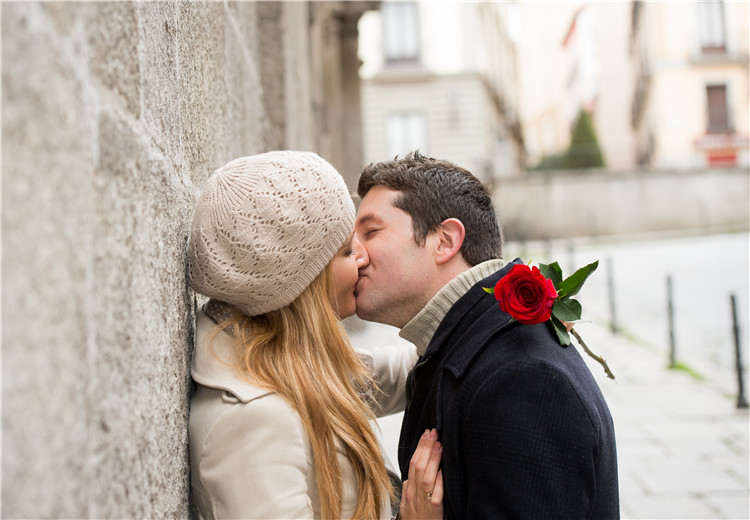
{"x":670,"y":319}
{"x":571,"y":258}
{"x":611,"y":294}
{"x":741,"y":399}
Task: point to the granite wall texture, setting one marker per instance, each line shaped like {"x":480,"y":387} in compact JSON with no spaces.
{"x":113,"y":116}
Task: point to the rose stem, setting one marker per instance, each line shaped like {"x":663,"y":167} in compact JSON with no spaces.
{"x":600,"y":359}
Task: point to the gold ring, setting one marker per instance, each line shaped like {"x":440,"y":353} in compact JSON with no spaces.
{"x":428,"y":495}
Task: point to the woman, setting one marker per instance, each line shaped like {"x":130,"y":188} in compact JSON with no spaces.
{"x":280,"y":419}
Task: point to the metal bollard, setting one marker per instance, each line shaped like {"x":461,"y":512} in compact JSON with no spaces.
{"x":741,"y":399}
{"x":611,"y":294}
{"x":571,"y":258}
{"x":670,"y":319}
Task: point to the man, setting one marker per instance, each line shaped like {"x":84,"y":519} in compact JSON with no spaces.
{"x":525,"y":430}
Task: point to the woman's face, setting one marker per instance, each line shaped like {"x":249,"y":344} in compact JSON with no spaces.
{"x":345,"y":271}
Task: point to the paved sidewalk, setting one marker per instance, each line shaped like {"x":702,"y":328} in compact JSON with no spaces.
{"x":682,"y":444}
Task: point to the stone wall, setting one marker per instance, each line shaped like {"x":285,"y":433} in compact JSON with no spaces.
{"x":113,"y":116}
{"x":563,"y":204}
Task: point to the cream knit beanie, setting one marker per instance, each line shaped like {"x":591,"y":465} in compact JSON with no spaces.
{"x":265,"y":226}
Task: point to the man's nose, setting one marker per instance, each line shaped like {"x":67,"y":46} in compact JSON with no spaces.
{"x":361,"y":257}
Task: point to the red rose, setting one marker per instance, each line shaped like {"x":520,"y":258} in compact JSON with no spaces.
{"x":526,"y":294}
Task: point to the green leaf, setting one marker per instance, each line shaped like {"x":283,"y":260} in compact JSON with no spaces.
{"x":566,"y":309}
{"x":552,"y":271}
{"x":490,"y":290}
{"x":572,"y":284}
{"x":562,"y":333}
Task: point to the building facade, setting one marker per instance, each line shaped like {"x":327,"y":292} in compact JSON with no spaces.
{"x":440,"y":77}
{"x":690,"y":103}
{"x":574,"y":56}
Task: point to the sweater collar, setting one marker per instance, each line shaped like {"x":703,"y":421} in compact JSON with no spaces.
{"x":422,"y":327}
{"x":211,"y":367}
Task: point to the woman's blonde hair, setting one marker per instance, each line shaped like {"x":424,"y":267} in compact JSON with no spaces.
{"x":301,"y":352}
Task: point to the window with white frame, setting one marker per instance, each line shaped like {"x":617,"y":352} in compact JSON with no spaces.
{"x":711,"y":25}
{"x":400,"y":31}
{"x":405,"y":132}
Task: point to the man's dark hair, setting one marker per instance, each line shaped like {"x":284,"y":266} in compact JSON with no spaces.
{"x":432,"y":190}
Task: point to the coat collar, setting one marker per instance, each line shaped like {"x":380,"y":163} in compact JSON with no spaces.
{"x":210,"y":367}
{"x":476,"y":314}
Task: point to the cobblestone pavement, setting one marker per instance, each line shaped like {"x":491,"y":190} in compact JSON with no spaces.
{"x":682,"y":443}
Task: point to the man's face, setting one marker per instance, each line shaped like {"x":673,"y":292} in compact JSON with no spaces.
{"x":395,"y":281}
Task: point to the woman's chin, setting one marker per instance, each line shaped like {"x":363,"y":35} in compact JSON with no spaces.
{"x":348,"y":313}
{"x":346,"y":310}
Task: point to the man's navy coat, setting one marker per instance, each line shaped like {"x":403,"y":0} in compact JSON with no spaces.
{"x":525,"y":429}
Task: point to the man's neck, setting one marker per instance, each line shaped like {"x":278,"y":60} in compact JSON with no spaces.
{"x":440,"y":278}
{"x":446,"y":274}
{"x":422,"y":327}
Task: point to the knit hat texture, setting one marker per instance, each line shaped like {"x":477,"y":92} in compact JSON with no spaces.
{"x":265,"y":226}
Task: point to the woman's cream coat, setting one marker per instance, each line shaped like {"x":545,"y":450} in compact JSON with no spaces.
{"x":249,"y":454}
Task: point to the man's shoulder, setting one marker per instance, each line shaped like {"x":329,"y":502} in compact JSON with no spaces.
{"x":475,"y":330}
{"x":529,"y":356}
{"x":476,"y":322}
{"x":495,"y":344}
{"x":496,"y":339}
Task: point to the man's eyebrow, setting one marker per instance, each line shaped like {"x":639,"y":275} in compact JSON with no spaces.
{"x":367,"y":218}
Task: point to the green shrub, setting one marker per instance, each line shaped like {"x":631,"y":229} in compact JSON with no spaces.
{"x":583,"y":152}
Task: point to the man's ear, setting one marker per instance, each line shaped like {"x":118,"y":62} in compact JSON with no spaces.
{"x":450,"y":235}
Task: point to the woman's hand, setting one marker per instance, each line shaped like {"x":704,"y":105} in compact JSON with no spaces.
{"x":422,"y":492}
